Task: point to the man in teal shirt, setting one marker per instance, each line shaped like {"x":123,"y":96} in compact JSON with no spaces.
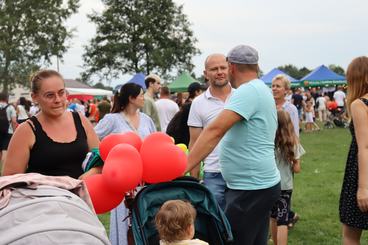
{"x":247,"y":127}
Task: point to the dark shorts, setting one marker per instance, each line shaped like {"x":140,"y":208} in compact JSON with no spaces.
{"x":4,"y":141}
{"x":248,"y":212}
{"x":281,"y":209}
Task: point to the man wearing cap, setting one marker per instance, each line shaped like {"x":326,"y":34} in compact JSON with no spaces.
{"x":247,"y":127}
{"x":153,"y":84}
{"x":194,"y":90}
{"x":205,"y":108}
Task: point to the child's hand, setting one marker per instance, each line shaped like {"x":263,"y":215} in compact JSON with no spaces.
{"x":296,"y":166}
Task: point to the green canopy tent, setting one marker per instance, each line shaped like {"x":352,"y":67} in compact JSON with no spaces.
{"x":181,"y":83}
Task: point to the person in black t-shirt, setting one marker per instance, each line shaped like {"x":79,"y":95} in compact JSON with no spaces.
{"x":297,"y":100}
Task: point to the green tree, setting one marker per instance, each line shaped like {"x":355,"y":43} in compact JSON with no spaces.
{"x":32,"y":31}
{"x":290,"y":69}
{"x":294,"y":71}
{"x":102,"y":86}
{"x":337,"y":69}
{"x":303,"y":72}
{"x":20,"y":73}
{"x":139,"y":36}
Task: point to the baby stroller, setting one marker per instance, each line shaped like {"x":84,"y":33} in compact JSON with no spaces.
{"x":46,"y":214}
{"x":211,"y":224}
{"x":336,"y":118}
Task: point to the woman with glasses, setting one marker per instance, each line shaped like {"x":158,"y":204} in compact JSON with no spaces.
{"x":55,"y":141}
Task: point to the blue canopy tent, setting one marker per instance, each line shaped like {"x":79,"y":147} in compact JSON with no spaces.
{"x":267,"y":78}
{"x":322,"y":76}
{"x":137,"y":79}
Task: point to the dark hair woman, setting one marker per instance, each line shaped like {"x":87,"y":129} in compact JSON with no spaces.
{"x":124,"y":117}
{"x":22,"y":110}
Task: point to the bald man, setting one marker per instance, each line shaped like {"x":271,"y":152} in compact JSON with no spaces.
{"x":204,"y":110}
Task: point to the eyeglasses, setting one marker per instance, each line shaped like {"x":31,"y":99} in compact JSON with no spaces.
{"x":50,"y":96}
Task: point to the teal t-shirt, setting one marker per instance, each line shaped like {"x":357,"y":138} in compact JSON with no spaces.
{"x":247,"y":154}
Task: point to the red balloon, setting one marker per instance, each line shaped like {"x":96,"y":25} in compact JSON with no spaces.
{"x":112,"y":140}
{"x":155,"y":138}
{"x":123,"y":168}
{"x":102,"y":197}
{"x":162,"y":162}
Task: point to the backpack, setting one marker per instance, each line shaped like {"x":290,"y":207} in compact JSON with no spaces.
{"x":4,"y":122}
{"x":49,"y":215}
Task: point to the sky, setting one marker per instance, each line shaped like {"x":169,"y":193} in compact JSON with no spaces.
{"x":302,"y":33}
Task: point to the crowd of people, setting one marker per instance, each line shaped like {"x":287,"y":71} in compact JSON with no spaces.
{"x":250,"y":173}
{"x":319,"y":104}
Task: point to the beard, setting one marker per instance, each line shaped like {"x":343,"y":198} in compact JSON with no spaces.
{"x":219,"y":83}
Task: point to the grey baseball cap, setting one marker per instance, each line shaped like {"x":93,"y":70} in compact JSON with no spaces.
{"x":243,"y":54}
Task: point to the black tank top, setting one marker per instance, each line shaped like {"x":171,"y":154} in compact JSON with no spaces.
{"x":57,"y":159}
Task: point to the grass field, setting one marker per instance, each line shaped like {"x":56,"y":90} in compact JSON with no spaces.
{"x":317,"y":188}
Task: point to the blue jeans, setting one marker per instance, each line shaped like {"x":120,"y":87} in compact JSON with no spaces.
{"x":216,"y":184}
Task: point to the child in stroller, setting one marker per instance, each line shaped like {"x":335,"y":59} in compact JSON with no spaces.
{"x":210,"y":224}
{"x":175,"y":223}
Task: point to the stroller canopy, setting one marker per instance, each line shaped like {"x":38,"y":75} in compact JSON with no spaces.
{"x":211,"y":224}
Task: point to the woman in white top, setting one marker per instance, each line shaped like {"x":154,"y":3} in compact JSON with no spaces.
{"x":22,"y":110}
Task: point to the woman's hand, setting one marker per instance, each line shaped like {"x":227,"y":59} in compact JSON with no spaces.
{"x":92,"y":171}
{"x":362,"y":198}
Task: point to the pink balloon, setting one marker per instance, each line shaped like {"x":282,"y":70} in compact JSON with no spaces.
{"x":162,"y":162}
{"x":123,"y":168}
{"x":103,"y":199}
{"x":112,"y":140}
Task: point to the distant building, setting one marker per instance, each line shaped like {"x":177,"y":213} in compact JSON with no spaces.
{"x":22,"y":91}
{"x":70,"y":83}
{"x":19,"y":91}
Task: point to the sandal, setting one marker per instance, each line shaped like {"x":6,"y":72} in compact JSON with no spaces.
{"x":293,"y":221}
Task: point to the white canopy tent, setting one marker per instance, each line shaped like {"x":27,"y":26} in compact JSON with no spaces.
{"x":89,"y":91}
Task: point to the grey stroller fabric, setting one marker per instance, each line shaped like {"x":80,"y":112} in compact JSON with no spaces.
{"x":49,"y":215}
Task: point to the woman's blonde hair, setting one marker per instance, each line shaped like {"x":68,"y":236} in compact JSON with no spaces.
{"x":173,"y":220}
{"x":357,"y":77}
{"x":284,"y":80}
{"x":286,"y":139}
